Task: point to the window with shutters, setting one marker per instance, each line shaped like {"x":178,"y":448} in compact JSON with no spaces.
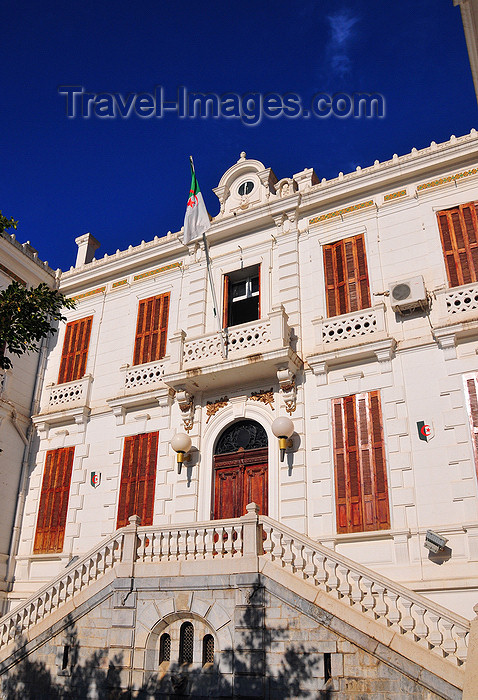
{"x":459,"y":238}
{"x":471,"y":392}
{"x":346,"y":278}
{"x":75,"y":350}
{"x":151,"y":329}
{"x":361,"y":491}
{"x":138,"y":477}
{"x":242,"y":296}
{"x":55,"y":490}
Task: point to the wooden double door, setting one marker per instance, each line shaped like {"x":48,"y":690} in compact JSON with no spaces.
{"x":239,"y":478}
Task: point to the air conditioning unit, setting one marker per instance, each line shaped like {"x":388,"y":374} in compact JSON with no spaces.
{"x":408,"y":295}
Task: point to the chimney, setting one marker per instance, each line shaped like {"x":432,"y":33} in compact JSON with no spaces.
{"x":87,"y":246}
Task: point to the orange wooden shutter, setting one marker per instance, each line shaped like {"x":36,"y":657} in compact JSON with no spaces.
{"x":225,"y":310}
{"x":346,"y":277}
{"x":75,"y":350}
{"x":458,"y":233}
{"x":52,"y":512}
{"x":360,"y":469}
{"x":138,"y":478}
{"x":151,"y":329}
{"x":471,"y":383}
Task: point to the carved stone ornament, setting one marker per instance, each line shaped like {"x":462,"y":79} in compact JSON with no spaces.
{"x":212,"y":407}
{"x":266,"y":397}
{"x":186,"y":405}
{"x":288,"y":389}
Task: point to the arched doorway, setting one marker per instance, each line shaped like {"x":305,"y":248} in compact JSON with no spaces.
{"x":240,"y":470}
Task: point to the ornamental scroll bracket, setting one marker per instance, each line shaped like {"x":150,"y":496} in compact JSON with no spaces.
{"x":186,"y":405}
{"x":288,"y":389}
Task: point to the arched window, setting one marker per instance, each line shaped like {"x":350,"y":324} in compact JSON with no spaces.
{"x":186,"y":643}
{"x":208,"y":650}
{"x":164,"y":648}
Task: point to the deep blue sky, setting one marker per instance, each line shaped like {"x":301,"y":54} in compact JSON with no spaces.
{"x":127,"y":179}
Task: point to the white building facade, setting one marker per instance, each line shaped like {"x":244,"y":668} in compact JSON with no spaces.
{"x":20,"y":388}
{"x":348,"y":305}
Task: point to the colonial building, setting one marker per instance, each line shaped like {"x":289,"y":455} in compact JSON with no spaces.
{"x":348,"y":306}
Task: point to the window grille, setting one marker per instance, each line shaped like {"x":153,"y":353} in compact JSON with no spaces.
{"x":208,"y":649}
{"x":186,"y":643}
{"x":164,"y":648}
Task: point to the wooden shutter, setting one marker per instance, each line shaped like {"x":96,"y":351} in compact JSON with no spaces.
{"x":471,"y":385}
{"x":346,"y":278}
{"x":75,"y":350}
{"x":52,"y":512}
{"x":360,"y":469}
{"x":225,"y":309}
{"x":151,"y":329}
{"x":138,"y":478}
{"x":459,"y":232}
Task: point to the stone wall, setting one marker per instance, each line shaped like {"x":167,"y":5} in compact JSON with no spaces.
{"x":269,"y":642}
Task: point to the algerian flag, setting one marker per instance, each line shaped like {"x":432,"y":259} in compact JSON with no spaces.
{"x":196,"y":219}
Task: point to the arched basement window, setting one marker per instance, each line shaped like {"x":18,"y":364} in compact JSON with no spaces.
{"x":186,"y":643}
{"x":208,"y":650}
{"x":164,"y":648}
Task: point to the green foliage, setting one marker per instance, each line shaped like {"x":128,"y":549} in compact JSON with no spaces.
{"x":26,"y":316}
{"x":6,"y":223}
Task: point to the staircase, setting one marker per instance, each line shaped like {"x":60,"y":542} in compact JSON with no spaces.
{"x":269,"y":548}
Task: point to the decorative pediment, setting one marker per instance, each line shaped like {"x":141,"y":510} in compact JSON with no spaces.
{"x":246,"y":184}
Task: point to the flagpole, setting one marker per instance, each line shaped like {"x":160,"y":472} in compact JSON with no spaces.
{"x":214,"y":298}
{"x":211,"y":284}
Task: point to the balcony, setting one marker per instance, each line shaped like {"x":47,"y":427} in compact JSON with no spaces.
{"x":356,"y":335}
{"x":65,"y":403}
{"x":454,"y":314}
{"x":249,"y":352}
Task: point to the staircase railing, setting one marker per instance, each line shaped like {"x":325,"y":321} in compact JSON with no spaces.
{"x":385,"y":601}
{"x":381,"y":599}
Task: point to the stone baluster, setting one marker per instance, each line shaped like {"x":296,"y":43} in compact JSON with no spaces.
{"x":407,"y":623}
{"x":461,"y":645}
{"x":435,"y":637}
{"x":309,"y":568}
{"x":449,"y":644}
{"x":394,"y":614}
{"x":332,"y":580}
{"x":182,"y":544}
{"x":238,"y":544}
{"x":209,"y":543}
{"x":344,"y":585}
{"x":228,"y":542}
{"x":268,"y":543}
{"x":357,"y":593}
{"x":277,"y":549}
{"x":421,"y":629}
{"x":201,"y":543}
{"x":321,"y":572}
{"x":288,"y":556}
{"x":368,"y":600}
{"x":381,"y":607}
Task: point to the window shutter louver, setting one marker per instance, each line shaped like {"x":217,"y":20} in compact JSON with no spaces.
{"x":75,"y":350}
{"x":360,"y":469}
{"x":138,"y":478}
{"x":53,"y":508}
{"x":458,"y":232}
{"x":346,"y":277}
{"x":151,"y":329}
